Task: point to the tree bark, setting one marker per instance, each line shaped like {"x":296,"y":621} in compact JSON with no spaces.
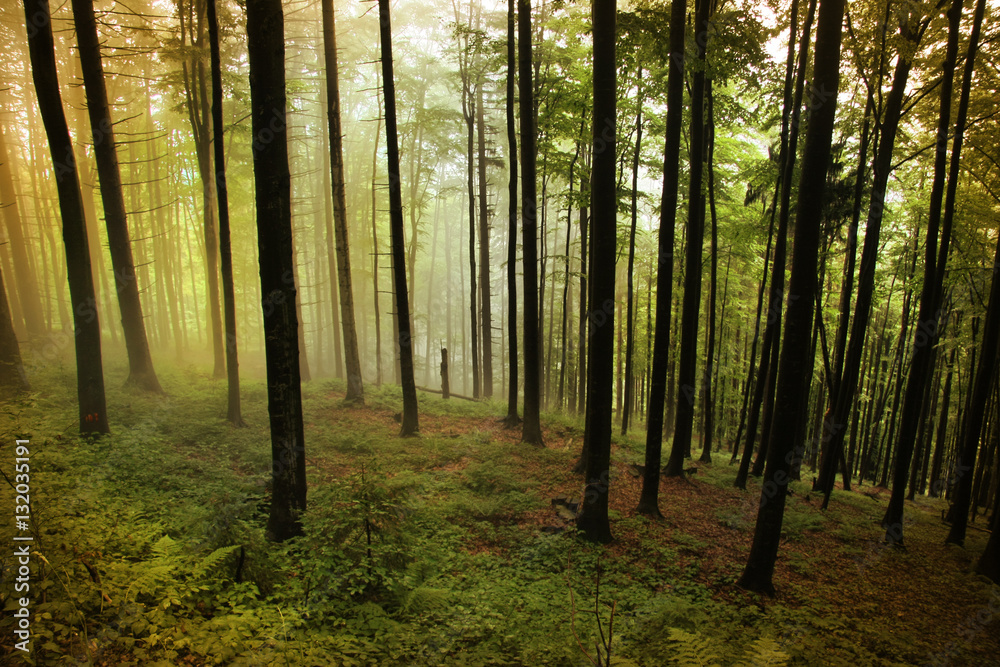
{"x":629,"y":318}
{"x":141,"y":372}
{"x":233,"y":414}
{"x":266,"y":47}
{"x":532,"y":428}
{"x":355,"y":388}
{"x":90,"y":373}
{"x":688,"y":356}
{"x":648,"y":500}
{"x":410,"y":424}
{"x":512,"y":418}
{"x":795,"y":349}
{"x":593,"y":518}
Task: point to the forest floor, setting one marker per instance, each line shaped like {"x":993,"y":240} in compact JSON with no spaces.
{"x":445,"y":549}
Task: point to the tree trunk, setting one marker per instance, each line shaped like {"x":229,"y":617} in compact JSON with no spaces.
{"x":935,"y":483}
{"x":141,"y":372}
{"x":410,"y":424}
{"x":87,"y":329}
{"x":486,"y":341}
{"x":376,"y":254}
{"x":225,"y":244}
{"x":928,"y":323}
{"x":688,"y":357}
{"x":648,"y":500}
{"x":512,"y":418}
{"x":355,"y":388}
{"x":707,"y":432}
{"x":593,"y":518}
{"x":630,"y":318}
{"x":532,"y":430}
{"x":835,"y":421}
{"x":795,"y":349}
{"x":266,"y":47}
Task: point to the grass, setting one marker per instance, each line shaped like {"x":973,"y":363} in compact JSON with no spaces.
{"x":151,"y":551}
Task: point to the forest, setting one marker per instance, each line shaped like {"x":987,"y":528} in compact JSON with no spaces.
{"x":457,"y":332}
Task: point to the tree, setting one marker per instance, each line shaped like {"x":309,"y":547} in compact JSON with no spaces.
{"x":688,"y":355}
{"x":191,"y":13}
{"x":266,"y":46}
{"x":355,"y":389}
{"x":792,"y":383}
{"x":141,"y":372}
{"x":593,"y":517}
{"x":629,"y":318}
{"x":12,"y":375}
{"x":87,"y":329}
{"x":233,"y":413}
{"x":410,"y":424}
{"x":665,"y":262}
{"x":512,"y":418}
{"x":532,"y":428}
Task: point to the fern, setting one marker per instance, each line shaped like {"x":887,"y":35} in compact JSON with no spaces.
{"x":765,"y":652}
{"x":693,"y":650}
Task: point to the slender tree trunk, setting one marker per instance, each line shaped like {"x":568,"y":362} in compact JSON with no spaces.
{"x":630,"y":318}
{"x":141,"y":372}
{"x":355,"y":388}
{"x":376,"y":254}
{"x":87,"y":339}
{"x":581,"y":394}
{"x":942,"y":429}
{"x":835,"y":421}
{"x":928,"y":323}
{"x":706,"y":451}
{"x":266,"y":47}
{"x":593,"y":518}
{"x":532,"y":430}
{"x":648,"y":500}
{"x":485,"y":320}
{"x":792,"y":383}
{"x":512,"y":418}
{"x":225,"y":244}
{"x":688,"y":356}
{"x":410,"y":424}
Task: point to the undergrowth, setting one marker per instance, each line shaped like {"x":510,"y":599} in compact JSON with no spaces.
{"x":150,"y":550}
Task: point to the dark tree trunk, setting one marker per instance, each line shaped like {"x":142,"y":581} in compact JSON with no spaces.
{"x":87,"y":328}
{"x":266,"y":48}
{"x":688,"y":356}
{"x":934,"y":489}
{"x":835,"y":421}
{"x":468,"y":111}
{"x":665,"y":263}
{"x":928,"y":323}
{"x":989,"y":562}
{"x":233,"y":413}
{"x":512,"y":418}
{"x":12,"y":377}
{"x":630,"y":319}
{"x":355,"y":387}
{"x":792,"y":383}
{"x":581,"y":403}
{"x":532,"y":430}
{"x":708,"y":406}
{"x":410,"y":424}
{"x":593,"y":518}
{"x":485,"y":320}
{"x":141,"y":372}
